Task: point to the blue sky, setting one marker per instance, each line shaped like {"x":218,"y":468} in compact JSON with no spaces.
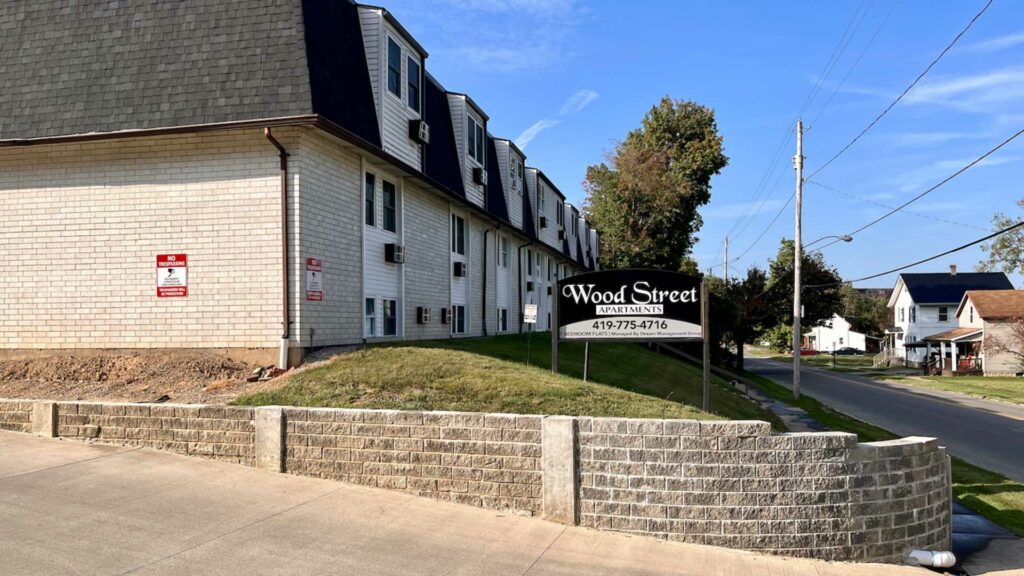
{"x":569,"y":78}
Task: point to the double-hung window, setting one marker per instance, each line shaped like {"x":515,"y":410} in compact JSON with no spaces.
{"x":529,"y":262}
{"x":413,"y":97}
{"x":458,"y":235}
{"x":458,"y":319}
{"x":476,"y":140}
{"x":390,"y":317}
{"x":903,"y":316}
{"x":370,"y":215}
{"x":943,"y":314}
{"x":502,"y":319}
{"x":370,"y":317}
{"x":540,"y":200}
{"x":390,"y":206}
{"x":913,"y":314}
{"x":502,"y":252}
{"x":394,"y":67}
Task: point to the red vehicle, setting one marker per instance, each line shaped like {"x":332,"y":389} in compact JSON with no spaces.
{"x":808,"y":352}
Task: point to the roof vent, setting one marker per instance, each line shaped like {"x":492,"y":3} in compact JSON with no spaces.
{"x":952,"y":269}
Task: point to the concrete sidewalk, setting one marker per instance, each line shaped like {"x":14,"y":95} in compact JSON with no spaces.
{"x":70,"y":508}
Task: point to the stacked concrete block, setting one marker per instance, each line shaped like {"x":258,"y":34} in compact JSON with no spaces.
{"x":486,"y":460}
{"x":722,"y":483}
{"x":16,"y":415}
{"x":217,"y":432}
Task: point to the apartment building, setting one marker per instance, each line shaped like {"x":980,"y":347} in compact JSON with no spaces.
{"x":273,"y":174}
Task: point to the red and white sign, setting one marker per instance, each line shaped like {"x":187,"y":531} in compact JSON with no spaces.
{"x":171,"y":275}
{"x":314,"y":279}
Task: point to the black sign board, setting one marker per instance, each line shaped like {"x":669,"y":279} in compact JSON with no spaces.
{"x":629,"y":305}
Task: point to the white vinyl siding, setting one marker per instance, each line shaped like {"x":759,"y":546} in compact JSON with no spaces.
{"x":381,"y":279}
{"x":396,"y":110}
{"x":461,"y":111}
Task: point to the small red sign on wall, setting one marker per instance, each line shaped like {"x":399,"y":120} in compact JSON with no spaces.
{"x":171,"y":275}
{"x":314,"y":279}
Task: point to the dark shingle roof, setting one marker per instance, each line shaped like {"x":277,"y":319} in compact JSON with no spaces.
{"x":946,"y":288}
{"x":80,"y":67}
{"x":496,"y":205}
{"x":441,"y":158}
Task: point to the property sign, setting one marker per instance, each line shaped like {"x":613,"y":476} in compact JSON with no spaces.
{"x":171,"y":275}
{"x":630,"y":304}
{"x":530,"y":314}
{"x":314,"y":279}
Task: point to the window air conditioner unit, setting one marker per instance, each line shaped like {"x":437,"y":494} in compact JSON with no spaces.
{"x":461,"y":269}
{"x":479,"y":176}
{"x":529,"y":286}
{"x":543,"y":221}
{"x":422,"y":315}
{"x":446,"y":314}
{"x":419,"y":131}
{"x":394,"y":253}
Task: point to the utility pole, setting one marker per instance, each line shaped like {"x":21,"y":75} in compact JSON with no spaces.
{"x":798,"y":163}
{"x":725,"y":262}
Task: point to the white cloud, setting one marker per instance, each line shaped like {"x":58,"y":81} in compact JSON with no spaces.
{"x":985,"y":92}
{"x":916,"y":180}
{"x":578,"y":102}
{"x":996,"y":44}
{"x":530,"y":133}
{"x":733,"y":211}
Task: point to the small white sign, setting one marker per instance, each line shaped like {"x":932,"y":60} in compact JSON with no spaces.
{"x":530,"y":314}
{"x":314,"y":279}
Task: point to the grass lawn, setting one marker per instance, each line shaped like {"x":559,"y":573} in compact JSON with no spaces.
{"x":490,"y":375}
{"x":1007,"y":389}
{"x":990,"y":494}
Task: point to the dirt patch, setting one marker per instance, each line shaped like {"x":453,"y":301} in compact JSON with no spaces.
{"x":127,"y":375}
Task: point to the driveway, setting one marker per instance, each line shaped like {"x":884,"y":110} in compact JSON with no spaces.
{"x":988,"y":434}
{"x":70,"y":508}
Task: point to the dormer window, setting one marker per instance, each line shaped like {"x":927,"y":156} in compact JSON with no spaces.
{"x":476,"y":140}
{"x":394,"y":67}
{"x":414,"y":84}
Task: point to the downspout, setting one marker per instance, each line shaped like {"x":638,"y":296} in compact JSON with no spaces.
{"x":282,"y":361}
{"x":519,"y":253}
{"x":483,"y":296}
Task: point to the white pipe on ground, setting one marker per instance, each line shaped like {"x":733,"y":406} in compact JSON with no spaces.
{"x":932,"y":559}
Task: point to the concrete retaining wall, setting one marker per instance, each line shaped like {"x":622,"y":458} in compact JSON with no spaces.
{"x":722,"y":483}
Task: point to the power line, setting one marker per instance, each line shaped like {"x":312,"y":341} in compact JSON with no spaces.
{"x":768,"y":227}
{"x":922,"y":261}
{"x":855,"y":63}
{"x":888,"y":207}
{"x":905,"y":91}
{"x":930,"y":190}
{"x":837,"y":53}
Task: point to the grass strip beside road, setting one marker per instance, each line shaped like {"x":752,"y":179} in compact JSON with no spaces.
{"x":990,"y":494}
{"x":1002,"y":388}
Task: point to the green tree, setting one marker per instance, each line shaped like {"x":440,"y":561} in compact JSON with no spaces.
{"x":1006,"y":251}
{"x":822,"y":295}
{"x":865,"y":314}
{"x":747,"y":312}
{"x":644,"y":200}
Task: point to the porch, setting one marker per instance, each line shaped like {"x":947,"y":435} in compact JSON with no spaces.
{"x":955,"y":352}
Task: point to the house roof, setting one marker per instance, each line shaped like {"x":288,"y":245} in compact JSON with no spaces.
{"x":78,"y":68}
{"x":994,"y":304}
{"x":496,"y":205}
{"x":954,"y":335}
{"x":946,"y":288}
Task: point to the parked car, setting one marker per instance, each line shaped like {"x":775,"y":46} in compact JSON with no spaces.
{"x":848,"y":351}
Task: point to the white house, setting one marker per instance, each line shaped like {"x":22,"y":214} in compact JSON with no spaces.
{"x":835,"y":334}
{"x":924,"y":304}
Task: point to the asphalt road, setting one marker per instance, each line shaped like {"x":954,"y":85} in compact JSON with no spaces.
{"x":988,"y":434}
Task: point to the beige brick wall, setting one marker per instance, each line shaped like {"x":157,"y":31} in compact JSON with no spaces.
{"x":486,"y":460}
{"x":83,"y":223}
{"x":217,"y":432}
